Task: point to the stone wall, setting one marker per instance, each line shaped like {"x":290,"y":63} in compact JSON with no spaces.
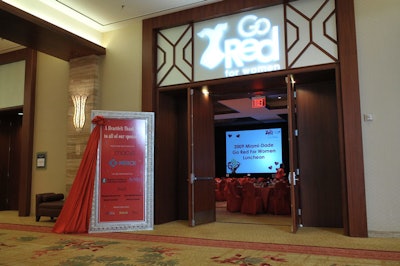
{"x":84,"y":79}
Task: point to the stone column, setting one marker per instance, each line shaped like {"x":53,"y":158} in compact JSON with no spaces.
{"x":84,"y":80}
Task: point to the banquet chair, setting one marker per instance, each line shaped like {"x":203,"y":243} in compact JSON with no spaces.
{"x":279,"y":201}
{"x":220,"y":190}
{"x":252,"y":203}
{"x":233,"y":197}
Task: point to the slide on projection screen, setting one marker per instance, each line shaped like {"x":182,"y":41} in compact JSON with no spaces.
{"x":253,"y":151}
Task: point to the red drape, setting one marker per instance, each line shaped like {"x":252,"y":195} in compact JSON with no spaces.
{"x":75,"y":215}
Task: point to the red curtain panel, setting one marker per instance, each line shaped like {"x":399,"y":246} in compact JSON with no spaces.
{"x":75,"y":215}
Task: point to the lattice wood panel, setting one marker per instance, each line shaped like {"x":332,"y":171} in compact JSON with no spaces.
{"x":310,"y":33}
{"x":174,"y":56}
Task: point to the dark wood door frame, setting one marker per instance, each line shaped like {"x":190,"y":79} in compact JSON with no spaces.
{"x":293,"y":153}
{"x":25,"y":179}
{"x":355,"y":211}
{"x":348,"y":97}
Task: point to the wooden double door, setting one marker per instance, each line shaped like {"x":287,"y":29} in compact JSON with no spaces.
{"x":184,"y":158}
{"x":185,"y":154}
{"x":315,"y":158}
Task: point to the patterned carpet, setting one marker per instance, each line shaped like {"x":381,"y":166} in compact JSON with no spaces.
{"x":26,"y":242}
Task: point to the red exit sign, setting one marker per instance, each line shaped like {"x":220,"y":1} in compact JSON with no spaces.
{"x":258,"y":102}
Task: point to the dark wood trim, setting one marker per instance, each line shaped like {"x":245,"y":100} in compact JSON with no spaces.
{"x":341,"y":151}
{"x":350,"y":135}
{"x":248,"y":78}
{"x":27,"y":133}
{"x":148,"y":62}
{"x":25,"y":179}
{"x":351,"y":116}
{"x":12,"y":57}
{"x":33,"y":32}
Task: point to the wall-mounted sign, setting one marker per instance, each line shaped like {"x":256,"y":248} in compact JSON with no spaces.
{"x":258,"y":102}
{"x":123,"y":199}
{"x":41,"y":159}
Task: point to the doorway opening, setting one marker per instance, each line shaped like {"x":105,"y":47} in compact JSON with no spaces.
{"x":235,"y":117}
{"x":318,"y":113}
{"x":224,"y":216}
{"x":316,"y":105}
{"x":10,"y":153}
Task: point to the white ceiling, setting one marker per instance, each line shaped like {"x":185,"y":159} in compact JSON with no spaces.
{"x":7,"y":46}
{"x":104,"y":15}
{"x":244,"y":108}
{"x":110,"y":14}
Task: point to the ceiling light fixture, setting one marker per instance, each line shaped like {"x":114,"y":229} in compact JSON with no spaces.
{"x":205,"y":90}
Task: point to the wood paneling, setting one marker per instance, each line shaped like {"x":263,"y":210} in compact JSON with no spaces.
{"x":10,"y":148}
{"x":320,"y":175}
{"x":202,"y":159}
{"x":165,"y":189}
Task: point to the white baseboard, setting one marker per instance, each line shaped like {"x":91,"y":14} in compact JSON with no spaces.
{"x":384,"y":234}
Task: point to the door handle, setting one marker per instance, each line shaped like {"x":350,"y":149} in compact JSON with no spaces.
{"x":203,"y":178}
{"x":198,"y":178}
{"x":292,"y":178}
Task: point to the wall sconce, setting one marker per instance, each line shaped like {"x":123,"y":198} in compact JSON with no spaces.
{"x":79,"y":111}
{"x":80,"y":90}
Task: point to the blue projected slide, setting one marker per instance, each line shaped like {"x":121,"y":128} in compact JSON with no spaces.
{"x":253,"y":151}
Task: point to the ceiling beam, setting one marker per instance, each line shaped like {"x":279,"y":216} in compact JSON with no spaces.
{"x":30,"y":31}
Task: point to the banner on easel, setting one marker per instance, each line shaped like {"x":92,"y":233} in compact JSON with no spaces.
{"x":123,"y":189}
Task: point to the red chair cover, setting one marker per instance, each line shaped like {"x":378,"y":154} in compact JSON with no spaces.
{"x":264,"y":193}
{"x":233,"y":197}
{"x":252,"y":203}
{"x":261,"y":180}
{"x":220,"y":190}
{"x":75,"y":215}
{"x":279,"y":202}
